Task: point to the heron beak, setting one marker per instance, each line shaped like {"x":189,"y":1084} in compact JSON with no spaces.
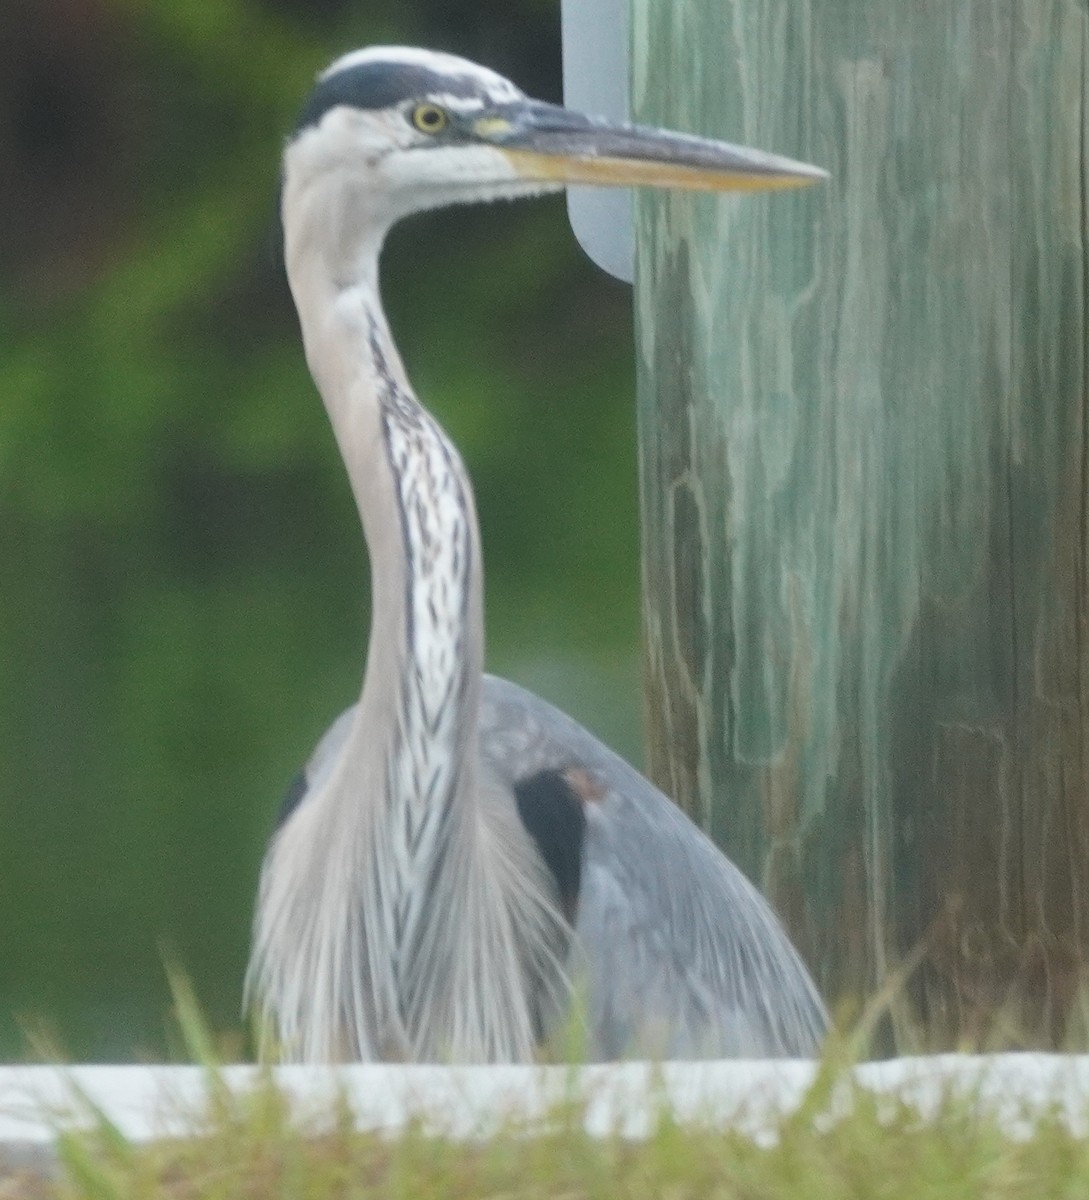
{"x":555,"y":145}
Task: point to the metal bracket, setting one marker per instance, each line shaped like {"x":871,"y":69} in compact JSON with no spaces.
{"x":596,"y":67}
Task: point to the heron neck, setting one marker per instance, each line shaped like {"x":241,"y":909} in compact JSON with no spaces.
{"x":418,"y":706}
{"x":432,"y":546}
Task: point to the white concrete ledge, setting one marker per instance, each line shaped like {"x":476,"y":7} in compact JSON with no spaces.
{"x":147,"y":1102}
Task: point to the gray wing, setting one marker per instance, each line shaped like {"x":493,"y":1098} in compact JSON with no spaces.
{"x":677,"y":954}
{"x":681,"y":957}
{"x":318,"y":766}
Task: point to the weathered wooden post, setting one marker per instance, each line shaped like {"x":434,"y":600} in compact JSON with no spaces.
{"x":865,"y":485}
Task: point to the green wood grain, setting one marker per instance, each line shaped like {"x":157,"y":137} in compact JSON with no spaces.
{"x":865,"y":478}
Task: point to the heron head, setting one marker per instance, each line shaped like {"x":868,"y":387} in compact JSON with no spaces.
{"x":405,"y":130}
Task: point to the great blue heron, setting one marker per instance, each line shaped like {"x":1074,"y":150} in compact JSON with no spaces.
{"x":461,"y":865}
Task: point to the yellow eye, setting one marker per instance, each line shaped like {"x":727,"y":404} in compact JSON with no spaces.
{"x":429,"y":118}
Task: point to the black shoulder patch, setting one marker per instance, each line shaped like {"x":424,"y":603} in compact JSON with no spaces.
{"x":293,"y":797}
{"x":551,"y":811}
{"x":377,"y":85}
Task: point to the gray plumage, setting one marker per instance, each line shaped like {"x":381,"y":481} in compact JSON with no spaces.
{"x":676,"y":954}
{"x":463,"y":870}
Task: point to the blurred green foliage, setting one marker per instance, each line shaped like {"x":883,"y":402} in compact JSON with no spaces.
{"x":183,"y":588}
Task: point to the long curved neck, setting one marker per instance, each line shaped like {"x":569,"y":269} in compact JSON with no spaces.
{"x":426,"y":538}
{"x":418,"y":707}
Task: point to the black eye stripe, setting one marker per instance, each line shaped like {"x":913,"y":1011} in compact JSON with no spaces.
{"x":383,"y":85}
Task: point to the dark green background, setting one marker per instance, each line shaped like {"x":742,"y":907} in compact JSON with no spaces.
{"x":182,"y":580}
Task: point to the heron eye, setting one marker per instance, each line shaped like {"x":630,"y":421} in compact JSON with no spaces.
{"x":429,"y":118}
